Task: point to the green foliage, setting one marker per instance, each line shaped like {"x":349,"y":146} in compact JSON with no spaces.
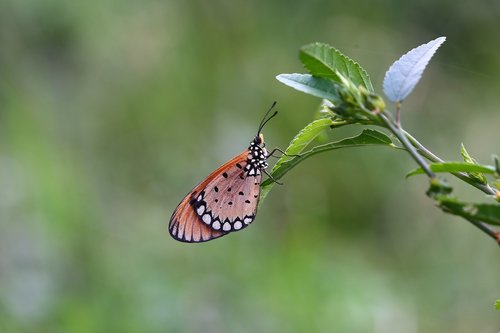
{"x":303,"y":139}
{"x":478,"y":176}
{"x":489,"y":213}
{"x":438,"y":187}
{"x":325,"y":61}
{"x":497,"y":304}
{"x":457,"y":167}
{"x":311,"y":85}
{"x":296,"y":146}
{"x":347,"y":88}
{"x":368,"y":137}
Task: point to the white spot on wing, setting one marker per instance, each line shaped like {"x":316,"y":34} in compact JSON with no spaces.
{"x":216,"y":225}
{"x":201,"y":210}
{"x":207,"y":218}
{"x":226,"y":226}
{"x":247,"y":220}
{"x":237,"y":225}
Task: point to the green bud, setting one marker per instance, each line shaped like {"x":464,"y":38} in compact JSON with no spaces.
{"x":437,"y":187}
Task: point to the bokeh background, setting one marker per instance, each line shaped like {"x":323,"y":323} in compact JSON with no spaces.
{"x":111,"y":111}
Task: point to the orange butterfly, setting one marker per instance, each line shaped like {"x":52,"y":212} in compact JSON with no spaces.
{"x":227,"y":199}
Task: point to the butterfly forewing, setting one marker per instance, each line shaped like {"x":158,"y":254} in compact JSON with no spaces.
{"x":225,"y":201}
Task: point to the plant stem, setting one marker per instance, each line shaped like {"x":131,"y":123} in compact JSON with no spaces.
{"x":410,"y":143}
{"x":485,"y":188}
{"x":431,"y":157}
{"x":486,"y":229}
{"x":398,"y":114}
{"x":409,"y":147}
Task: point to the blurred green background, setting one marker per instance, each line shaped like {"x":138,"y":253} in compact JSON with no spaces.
{"x":111,"y":111}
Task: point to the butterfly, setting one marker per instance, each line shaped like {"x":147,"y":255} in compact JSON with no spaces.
{"x":227,"y":200}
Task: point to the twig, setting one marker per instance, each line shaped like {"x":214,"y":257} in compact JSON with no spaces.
{"x":409,"y":147}
{"x":485,"y":228}
{"x":433,"y":158}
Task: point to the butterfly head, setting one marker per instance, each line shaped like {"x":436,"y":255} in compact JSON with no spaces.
{"x":259,"y":140}
{"x":258,"y":146}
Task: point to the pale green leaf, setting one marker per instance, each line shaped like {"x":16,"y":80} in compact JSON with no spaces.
{"x":404,"y":74}
{"x":319,"y":87}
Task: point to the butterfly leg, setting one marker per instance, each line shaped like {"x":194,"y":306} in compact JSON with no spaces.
{"x":281,"y":151}
{"x":271,"y":177}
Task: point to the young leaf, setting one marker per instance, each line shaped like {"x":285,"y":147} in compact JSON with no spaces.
{"x":489,"y":213}
{"x":454,"y":167}
{"x":297,"y":145}
{"x":497,"y":304}
{"x":303,"y":139}
{"x":323,"y":60}
{"x":405,"y":73}
{"x":311,"y":85}
{"x":479,"y":177}
{"x":366,"y":138}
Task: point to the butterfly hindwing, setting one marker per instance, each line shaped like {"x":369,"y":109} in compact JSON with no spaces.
{"x":185,"y":225}
{"x":225,"y":201}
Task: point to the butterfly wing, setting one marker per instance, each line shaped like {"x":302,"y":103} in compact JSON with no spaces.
{"x":225,"y":201}
{"x":185,"y":225}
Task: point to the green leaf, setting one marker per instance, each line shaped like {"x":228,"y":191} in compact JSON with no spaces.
{"x":465,"y":155}
{"x":479,"y":177}
{"x":311,"y":85}
{"x":303,"y":139}
{"x":324,"y":61}
{"x":454,"y":167}
{"x":367,"y":138}
{"x":489,"y":213}
{"x":297,"y":145}
{"x":438,"y":187}
{"x":497,"y":304}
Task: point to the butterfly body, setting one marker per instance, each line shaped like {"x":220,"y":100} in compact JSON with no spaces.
{"x":225,"y":201}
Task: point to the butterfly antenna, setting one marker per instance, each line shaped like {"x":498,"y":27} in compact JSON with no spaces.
{"x":264,"y":120}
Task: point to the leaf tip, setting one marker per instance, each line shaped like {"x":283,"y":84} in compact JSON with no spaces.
{"x":405,"y":73}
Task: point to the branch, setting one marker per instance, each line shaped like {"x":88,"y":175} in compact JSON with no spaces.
{"x":432,"y":157}
{"x":406,"y":143}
